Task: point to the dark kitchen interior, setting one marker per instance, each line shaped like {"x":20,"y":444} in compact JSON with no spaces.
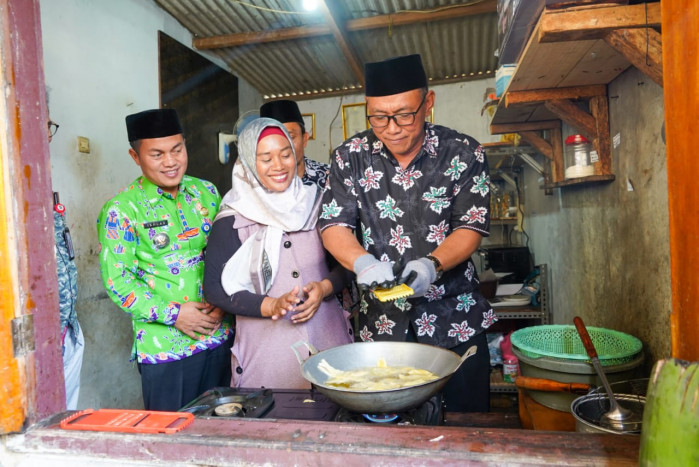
{"x":606,"y":238}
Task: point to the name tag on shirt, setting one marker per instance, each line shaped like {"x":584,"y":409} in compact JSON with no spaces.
{"x":151,"y":225}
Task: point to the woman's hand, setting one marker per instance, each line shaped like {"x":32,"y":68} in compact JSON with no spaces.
{"x":315,"y":293}
{"x":276,"y":308}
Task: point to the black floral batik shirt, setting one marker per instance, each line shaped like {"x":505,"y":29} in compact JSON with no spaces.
{"x":316,"y":173}
{"x":404,"y":214}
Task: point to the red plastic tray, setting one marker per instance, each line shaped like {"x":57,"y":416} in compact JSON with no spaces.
{"x":127,"y":421}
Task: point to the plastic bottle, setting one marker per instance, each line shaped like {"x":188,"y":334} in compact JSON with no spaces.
{"x":510,"y":367}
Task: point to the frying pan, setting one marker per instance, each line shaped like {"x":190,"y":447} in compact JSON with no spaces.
{"x":441,"y":362}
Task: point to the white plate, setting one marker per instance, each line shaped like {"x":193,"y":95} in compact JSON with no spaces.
{"x":510,"y":300}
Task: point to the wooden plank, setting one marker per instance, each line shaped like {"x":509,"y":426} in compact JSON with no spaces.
{"x":600,"y":64}
{"x":27,"y":192}
{"x":543,"y":146}
{"x":520,"y":113}
{"x":595,"y":23}
{"x":680,"y":45}
{"x":285,"y":442}
{"x":574,"y":116}
{"x":599,"y":108}
{"x":498,"y":129}
{"x":583,"y":181}
{"x":333,"y":19}
{"x":558,"y":166}
{"x":641,"y":47}
{"x":540,"y":95}
{"x":359,"y":24}
{"x":544,"y":66}
{"x":260,"y":37}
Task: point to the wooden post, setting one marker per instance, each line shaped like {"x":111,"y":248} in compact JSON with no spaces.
{"x":680,"y":42}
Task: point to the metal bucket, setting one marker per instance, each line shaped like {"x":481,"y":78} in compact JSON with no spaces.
{"x":441,"y":362}
{"x":588,"y":411}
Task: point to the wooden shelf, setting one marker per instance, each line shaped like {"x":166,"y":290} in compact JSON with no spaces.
{"x":582,"y":180}
{"x":570,"y":57}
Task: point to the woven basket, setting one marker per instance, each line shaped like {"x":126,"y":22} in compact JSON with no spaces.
{"x":563,"y":342}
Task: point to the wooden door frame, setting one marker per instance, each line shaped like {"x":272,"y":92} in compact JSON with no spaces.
{"x":36,"y":387}
{"x":680,"y":37}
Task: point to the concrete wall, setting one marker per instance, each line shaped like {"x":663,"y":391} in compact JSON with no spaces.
{"x":607,"y":245}
{"x":101,"y":64}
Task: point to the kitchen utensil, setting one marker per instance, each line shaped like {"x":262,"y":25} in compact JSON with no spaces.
{"x":588,"y":410}
{"x":441,"y":362}
{"x":617,"y":418}
{"x":394,"y":293}
{"x":562,"y":342}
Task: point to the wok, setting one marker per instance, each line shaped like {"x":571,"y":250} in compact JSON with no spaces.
{"x":441,"y":362}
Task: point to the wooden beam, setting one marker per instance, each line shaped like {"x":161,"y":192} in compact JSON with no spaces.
{"x":501,"y":128}
{"x":359,"y":24}
{"x":642,"y":47}
{"x":333,"y":19}
{"x":595,"y":23}
{"x":558,"y":166}
{"x":260,"y":37}
{"x":574,"y":116}
{"x":541,"y":95}
{"x":680,"y":45}
{"x":599,"y":108}
{"x":541,"y":145}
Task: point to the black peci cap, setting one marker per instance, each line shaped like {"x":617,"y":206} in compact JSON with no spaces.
{"x":394,"y":76}
{"x":155,"y":123}
{"x":284,"y":111}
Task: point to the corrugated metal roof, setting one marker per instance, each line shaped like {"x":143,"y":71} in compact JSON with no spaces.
{"x":452,"y":49}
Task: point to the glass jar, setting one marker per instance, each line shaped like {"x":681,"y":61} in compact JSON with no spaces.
{"x":577,"y":157}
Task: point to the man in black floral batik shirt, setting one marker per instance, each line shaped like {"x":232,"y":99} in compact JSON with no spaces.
{"x":418,"y":195}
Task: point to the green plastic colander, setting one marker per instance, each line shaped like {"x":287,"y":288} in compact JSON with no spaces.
{"x":563,"y":342}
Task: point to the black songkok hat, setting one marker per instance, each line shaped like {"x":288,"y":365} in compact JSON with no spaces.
{"x":155,"y":123}
{"x":284,"y":111}
{"x":394,"y":76}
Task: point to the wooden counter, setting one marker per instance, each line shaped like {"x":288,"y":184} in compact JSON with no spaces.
{"x":290,"y":442}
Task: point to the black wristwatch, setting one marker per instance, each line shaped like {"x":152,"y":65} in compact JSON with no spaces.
{"x":437,"y":266}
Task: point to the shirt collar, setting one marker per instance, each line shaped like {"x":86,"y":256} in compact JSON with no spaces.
{"x":428,"y":147}
{"x":153,"y":192}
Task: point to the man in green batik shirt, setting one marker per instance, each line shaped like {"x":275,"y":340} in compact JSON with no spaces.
{"x":152,"y":238}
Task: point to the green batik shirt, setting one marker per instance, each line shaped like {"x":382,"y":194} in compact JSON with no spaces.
{"x":152,"y":261}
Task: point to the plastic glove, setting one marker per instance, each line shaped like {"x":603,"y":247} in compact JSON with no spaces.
{"x":372,"y":273}
{"x":424,"y":274}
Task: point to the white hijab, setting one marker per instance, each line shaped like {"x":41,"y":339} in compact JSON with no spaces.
{"x":254,"y":266}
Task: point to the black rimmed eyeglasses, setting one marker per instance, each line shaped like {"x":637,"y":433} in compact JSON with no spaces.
{"x":53,"y":128}
{"x":402,"y":119}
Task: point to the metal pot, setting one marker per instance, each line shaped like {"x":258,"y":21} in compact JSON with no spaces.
{"x":441,"y":362}
{"x":588,"y":411}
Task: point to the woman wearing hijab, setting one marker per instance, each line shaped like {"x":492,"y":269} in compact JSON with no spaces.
{"x":266,"y":264}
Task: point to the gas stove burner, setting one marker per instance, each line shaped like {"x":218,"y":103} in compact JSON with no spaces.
{"x":231,"y":403}
{"x":381,"y":418}
{"x":230,"y":409}
{"x":429,"y":413}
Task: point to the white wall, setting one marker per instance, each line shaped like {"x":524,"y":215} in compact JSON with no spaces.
{"x":100,"y":64}
{"x":457,"y":106}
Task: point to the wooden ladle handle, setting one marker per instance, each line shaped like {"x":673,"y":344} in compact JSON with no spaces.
{"x":585,"y":337}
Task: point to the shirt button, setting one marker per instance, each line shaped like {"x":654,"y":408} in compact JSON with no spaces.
{"x":239,"y":370}
{"x":295,"y":274}
{"x":287,"y":244}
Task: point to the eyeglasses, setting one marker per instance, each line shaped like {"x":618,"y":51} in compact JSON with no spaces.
{"x":53,"y":128}
{"x":403,"y":119}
